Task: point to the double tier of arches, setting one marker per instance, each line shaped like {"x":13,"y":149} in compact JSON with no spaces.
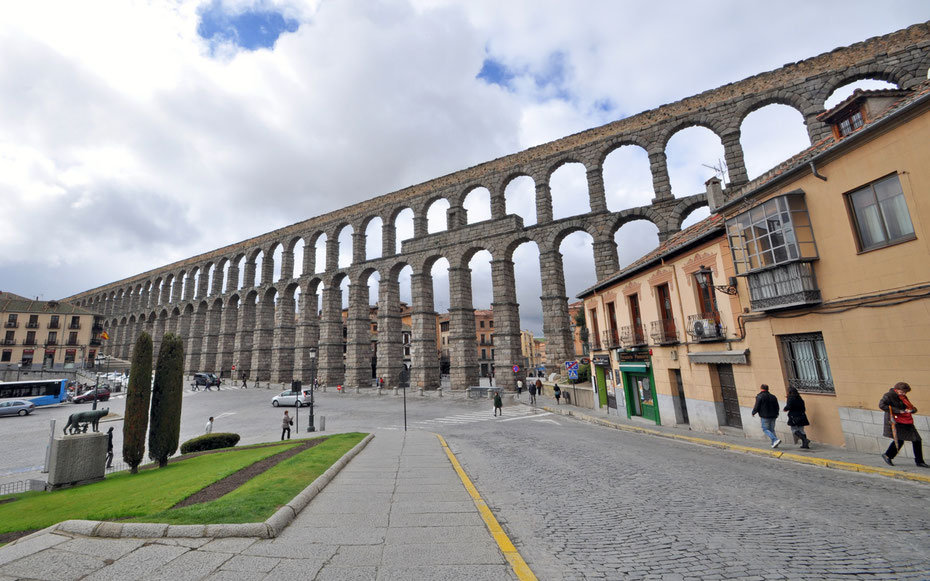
{"x":265,"y":304}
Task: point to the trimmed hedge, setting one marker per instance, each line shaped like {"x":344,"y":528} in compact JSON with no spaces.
{"x":210,"y":442}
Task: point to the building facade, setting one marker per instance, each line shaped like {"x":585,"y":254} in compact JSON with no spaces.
{"x":47,"y":335}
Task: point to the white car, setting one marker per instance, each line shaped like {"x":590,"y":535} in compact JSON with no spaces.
{"x":291,"y":398}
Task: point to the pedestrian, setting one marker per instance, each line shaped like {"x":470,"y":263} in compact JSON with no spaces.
{"x":381,"y":382}
{"x":242,"y":376}
{"x":110,"y":447}
{"x":533,"y":393}
{"x":519,"y":387}
{"x":899,"y":424}
{"x":558,"y":394}
{"x":286,"y":424}
{"x":767,"y":408}
{"x":208,"y":429}
{"x":498,"y":404}
{"x":797,"y":417}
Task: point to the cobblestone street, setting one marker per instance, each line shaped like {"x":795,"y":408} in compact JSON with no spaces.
{"x":585,"y":502}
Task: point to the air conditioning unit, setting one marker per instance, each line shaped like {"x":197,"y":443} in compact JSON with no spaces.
{"x":705,"y":328}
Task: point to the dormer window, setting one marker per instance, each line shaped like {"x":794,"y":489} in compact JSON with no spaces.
{"x":851,"y":123}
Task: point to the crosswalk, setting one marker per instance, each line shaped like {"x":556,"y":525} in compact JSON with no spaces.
{"x":508,"y":414}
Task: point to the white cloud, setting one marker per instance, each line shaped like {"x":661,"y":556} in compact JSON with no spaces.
{"x":125,"y":145}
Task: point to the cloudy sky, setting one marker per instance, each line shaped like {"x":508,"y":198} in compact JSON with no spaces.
{"x":134,"y":134}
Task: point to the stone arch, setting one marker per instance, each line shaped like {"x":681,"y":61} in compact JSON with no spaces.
{"x":554,"y":236}
{"x":873,"y":71}
{"x":566,"y":159}
{"x":647,"y":213}
{"x":746,"y":107}
{"x":702,"y":120}
{"x":427,"y":206}
{"x":682,"y":209}
{"x":476,"y":215}
{"x":612,"y":145}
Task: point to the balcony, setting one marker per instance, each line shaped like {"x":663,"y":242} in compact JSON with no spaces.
{"x":594,"y":345}
{"x":29,"y":341}
{"x":632,"y":336}
{"x":51,"y":342}
{"x":610,"y":339}
{"x":96,"y":342}
{"x":11,"y":324}
{"x":706,"y":327}
{"x":53,"y":325}
{"x":9,"y":341}
{"x":785,"y":286}
{"x":72,"y":343}
{"x":74,"y":326}
{"x":663,"y":332}
{"x":32,"y":325}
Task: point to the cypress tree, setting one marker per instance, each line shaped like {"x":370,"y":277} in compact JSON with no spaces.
{"x":165,"y":430}
{"x":138,"y":394}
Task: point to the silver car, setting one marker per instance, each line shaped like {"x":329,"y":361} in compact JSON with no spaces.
{"x":14,"y":407}
{"x":292,"y":398}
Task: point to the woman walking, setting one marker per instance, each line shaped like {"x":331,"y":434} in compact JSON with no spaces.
{"x":558,"y":393}
{"x":797,"y":417}
{"x":899,"y":424}
{"x":498,"y":404}
{"x":286,"y":424}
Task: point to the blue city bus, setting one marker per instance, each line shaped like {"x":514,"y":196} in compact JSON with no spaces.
{"x":41,"y":392}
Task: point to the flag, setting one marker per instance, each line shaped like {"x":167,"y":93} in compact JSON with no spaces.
{"x":104,"y":336}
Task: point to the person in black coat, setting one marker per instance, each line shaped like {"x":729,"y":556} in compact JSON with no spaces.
{"x":797,"y":417}
{"x":767,"y":408}
{"x":899,"y":424}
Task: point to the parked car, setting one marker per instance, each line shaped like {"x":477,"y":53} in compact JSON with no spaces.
{"x":103,"y":394}
{"x":16,"y":407}
{"x":207,"y":380}
{"x":293,"y":398}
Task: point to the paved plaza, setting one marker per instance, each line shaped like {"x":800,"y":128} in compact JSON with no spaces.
{"x":574,"y":496}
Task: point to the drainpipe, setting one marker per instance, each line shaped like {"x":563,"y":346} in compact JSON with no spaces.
{"x":816,"y":173}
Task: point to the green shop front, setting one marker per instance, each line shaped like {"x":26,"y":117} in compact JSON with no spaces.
{"x":634,"y":368}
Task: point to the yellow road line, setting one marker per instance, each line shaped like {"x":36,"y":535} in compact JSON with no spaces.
{"x":510,"y":552}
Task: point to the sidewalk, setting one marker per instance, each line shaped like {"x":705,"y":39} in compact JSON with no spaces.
{"x":399,"y":510}
{"x":819,"y":454}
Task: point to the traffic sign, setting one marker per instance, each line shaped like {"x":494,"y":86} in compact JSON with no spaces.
{"x":516,"y":369}
{"x":573,"y":374}
{"x":571,"y":365}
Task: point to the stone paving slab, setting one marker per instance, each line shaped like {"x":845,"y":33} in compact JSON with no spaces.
{"x":367,"y":523}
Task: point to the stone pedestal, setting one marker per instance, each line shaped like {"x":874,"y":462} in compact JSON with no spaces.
{"x":77,"y":459}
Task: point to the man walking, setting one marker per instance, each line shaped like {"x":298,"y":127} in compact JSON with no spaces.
{"x":110,"y":447}
{"x":767,"y":408}
{"x":208,"y":429}
{"x":286,"y":424}
{"x":533,"y":393}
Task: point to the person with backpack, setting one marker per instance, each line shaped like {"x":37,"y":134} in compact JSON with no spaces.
{"x":558,"y":394}
{"x":533,"y":393}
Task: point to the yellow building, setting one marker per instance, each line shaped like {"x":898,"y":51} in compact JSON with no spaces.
{"x":814,"y":276}
{"x":47,"y":335}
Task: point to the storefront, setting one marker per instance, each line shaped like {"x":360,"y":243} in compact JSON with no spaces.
{"x":602,"y":381}
{"x":635,"y":370}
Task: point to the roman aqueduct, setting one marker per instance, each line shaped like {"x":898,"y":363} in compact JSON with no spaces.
{"x":254,"y":325}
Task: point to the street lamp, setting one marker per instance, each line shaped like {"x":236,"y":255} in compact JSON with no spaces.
{"x":19,"y":366}
{"x":704,"y":278}
{"x":312,"y":353}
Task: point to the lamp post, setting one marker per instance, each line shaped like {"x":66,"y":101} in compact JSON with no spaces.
{"x":19,"y":367}
{"x":704,"y":277}
{"x":312,"y":353}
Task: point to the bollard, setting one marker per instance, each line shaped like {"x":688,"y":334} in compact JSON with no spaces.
{"x":322,"y":423}
{"x":439,"y":391}
{"x":420,"y":391}
{"x":395,"y":391}
{"x":358,"y":389}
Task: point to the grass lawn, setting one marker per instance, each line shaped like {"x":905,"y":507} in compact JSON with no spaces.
{"x":147,"y":496}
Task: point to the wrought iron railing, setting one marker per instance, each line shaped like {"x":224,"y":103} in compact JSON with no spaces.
{"x":663,"y":331}
{"x":706,"y":327}
{"x":632,"y":336}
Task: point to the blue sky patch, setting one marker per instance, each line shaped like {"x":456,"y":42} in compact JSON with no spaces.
{"x":252,"y":29}
{"x":495,"y":73}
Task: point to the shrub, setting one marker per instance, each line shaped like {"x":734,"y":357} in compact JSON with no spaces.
{"x":138,"y":394}
{"x":165,"y":422}
{"x":210,"y":442}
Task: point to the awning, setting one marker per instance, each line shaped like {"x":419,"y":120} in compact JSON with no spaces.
{"x":738,"y":357}
{"x":634,"y":367}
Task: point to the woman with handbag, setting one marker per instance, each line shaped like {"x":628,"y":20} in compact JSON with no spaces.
{"x":797,"y":417}
{"x":286,"y":424}
{"x":899,"y":424}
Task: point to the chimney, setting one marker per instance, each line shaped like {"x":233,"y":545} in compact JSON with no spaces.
{"x":715,"y":197}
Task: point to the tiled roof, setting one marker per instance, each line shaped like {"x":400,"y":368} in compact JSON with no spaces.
{"x":9,"y":304}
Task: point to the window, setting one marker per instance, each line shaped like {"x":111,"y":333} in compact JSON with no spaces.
{"x":881,"y":215}
{"x":778,"y":231}
{"x":851,"y":123}
{"x":9,"y":339}
{"x":53,"y":324}
{"x":52,"y":337}
{"x":72,"y":338}
{"x":491,"y":324}
{"x":7,"y":355}
{"x":11,"y":320}
{"x":806,"y":363}
{"x":30,"y":338}
{"x":481,"y":323}
{"x":484,"y":353}
{"x":75,"y":322}
{"x":33,"y":322}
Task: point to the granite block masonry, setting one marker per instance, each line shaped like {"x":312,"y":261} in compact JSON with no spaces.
{"x":77,"y":459}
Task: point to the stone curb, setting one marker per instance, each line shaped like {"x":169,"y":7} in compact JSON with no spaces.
{"x":823,"y":462}
{"x":265,"y":530}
